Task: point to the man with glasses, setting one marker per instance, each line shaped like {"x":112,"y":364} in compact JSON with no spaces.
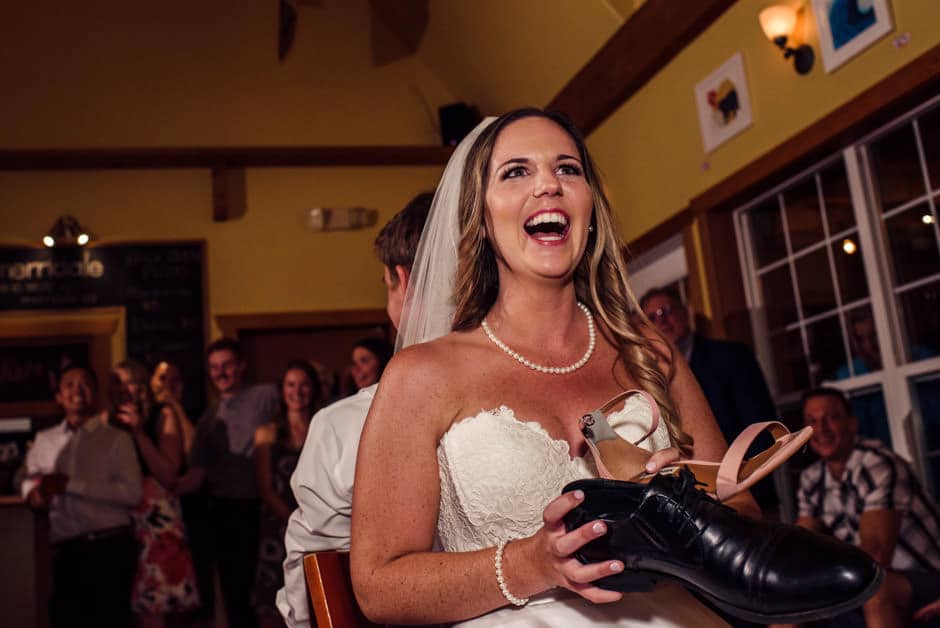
{"x":727,"y":372}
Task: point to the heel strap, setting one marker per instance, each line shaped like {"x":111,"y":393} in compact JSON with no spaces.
{"x":730,"y":467}
{"x":595,"y":427}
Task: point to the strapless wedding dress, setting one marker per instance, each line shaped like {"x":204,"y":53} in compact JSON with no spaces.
{"x":497,"y":475}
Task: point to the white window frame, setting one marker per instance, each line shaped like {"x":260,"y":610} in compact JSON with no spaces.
{"x":896,"y":379}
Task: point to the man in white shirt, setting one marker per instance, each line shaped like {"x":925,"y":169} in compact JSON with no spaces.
{"x":323,"y":480}
{"x":86,"y":473}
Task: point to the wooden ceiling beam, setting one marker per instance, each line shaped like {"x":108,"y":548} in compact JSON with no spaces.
{"x":645,"y":43}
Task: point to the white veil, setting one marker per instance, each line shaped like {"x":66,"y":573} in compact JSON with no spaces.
{"x":428,"y":309}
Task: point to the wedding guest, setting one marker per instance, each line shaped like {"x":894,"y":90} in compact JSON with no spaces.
{"x":85,"y":472}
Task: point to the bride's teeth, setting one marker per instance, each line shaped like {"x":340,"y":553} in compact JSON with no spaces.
{"x":547,"y":217}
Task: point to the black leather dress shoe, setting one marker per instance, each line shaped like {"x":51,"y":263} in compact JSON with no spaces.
{"x":759,"y":571}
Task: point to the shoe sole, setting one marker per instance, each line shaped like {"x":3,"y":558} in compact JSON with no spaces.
{"x":635,"y":581}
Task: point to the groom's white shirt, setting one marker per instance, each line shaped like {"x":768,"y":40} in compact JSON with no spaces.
{"x":322,"y":484}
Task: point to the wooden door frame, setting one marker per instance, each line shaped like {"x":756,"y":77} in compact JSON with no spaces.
{"x":105,"y":327}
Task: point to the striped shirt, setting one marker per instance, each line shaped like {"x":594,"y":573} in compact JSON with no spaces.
{"x":875,"y":478}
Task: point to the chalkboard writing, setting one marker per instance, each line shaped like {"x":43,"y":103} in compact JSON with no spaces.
{"x":159,"y":285}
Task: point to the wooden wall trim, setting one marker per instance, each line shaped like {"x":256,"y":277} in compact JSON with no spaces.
{"x":232,"y":324}
{"x":646,"y":42}
{"x":876,"y":106}
{"x":215,"y":157}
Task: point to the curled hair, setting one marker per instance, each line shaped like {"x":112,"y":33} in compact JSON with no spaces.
{"x":600,"y":278}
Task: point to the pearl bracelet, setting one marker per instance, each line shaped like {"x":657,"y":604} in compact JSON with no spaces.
{"x":501,"y":581}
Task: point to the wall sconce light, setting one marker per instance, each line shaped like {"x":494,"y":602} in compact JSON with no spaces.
{"x":66,"y":231}
{"x":323,"y":219}
{"x":778,"y":23}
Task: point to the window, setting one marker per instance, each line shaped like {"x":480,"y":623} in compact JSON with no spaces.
{"x":842,"y":273}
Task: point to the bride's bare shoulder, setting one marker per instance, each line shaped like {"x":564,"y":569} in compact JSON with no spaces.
{"x":432,"y":361}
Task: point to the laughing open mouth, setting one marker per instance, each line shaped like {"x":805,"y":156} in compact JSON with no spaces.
{"x":547,"y":226}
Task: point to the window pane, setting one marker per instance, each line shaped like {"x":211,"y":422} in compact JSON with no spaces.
{"x":919,"y":309}
{"x":927,"y":391}
{"x":803,"y":218}
{"x":913,"y":245}
{"x":930,"y":139}
{"x":815,"y":283}
{"x":869,"y":409}
{"x":827,"y":351}
{"x":933,"y":468}
{"x":767,"y":232}
{"x":835,"y":188}
{"x":789,"y":361}
{"x":896,"y":167}
{"x":779,"y":301}
{"x":850,"y":269}
{"x":863,"y":342}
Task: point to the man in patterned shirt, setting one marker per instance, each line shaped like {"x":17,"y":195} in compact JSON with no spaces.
{"x":864,"y":494}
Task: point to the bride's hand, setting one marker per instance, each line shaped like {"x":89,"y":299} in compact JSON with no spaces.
{"x":556,"y":546}
{"x":661,"y":458}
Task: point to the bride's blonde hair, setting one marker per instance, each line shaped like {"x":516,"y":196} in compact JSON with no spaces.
{"x":600,"y":278}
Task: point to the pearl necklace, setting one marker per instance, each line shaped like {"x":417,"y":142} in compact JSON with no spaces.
{"x":554,"y":370}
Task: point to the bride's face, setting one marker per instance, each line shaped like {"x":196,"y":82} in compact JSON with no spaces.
{"x":538,"y":202}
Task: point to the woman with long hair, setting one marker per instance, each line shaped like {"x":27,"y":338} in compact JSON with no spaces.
{"x":516,"y":325}
{"x":476,"y":432}
{"x":165,"y":580}
{"x":277,"y":450}
{"x":166,"y":384}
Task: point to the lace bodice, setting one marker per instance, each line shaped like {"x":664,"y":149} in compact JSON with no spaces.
{"x":498,"y":473}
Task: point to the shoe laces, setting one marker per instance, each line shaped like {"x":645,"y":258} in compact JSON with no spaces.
{"x":687,"y":501}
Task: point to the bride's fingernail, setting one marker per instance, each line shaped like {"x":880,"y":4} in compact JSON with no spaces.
{"x":650,"y":467}
{"x":598,"y":527}
{"x":615,"y":566}
{"x":579,"y":495}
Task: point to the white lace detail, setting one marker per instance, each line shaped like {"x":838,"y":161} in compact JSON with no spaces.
{"x":498,"y":473}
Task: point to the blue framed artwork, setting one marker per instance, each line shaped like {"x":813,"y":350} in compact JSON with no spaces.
{"x":846,"y":27}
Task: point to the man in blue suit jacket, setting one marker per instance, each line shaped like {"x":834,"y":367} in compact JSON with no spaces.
{"x":728,"y":373}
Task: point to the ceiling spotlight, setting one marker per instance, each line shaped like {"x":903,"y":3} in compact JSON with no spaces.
{"x":849,"y":246}
{"x":927,"y":219}
{"x":66,"y":231}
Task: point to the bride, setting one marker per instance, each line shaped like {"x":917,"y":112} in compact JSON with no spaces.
{"x":518,"y":318}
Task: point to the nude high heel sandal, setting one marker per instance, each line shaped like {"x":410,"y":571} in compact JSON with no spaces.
{"x":616,"y":459}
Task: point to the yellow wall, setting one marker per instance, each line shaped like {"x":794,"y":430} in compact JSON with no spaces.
{"x":110,"y":73}
{"x":266,"y":261}
{"x":651,"y":150}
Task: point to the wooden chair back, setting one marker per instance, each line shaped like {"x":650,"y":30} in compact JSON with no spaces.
{"x":330,"y":591}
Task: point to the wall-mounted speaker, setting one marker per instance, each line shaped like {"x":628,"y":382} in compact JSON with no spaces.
{"x":457,"y":120}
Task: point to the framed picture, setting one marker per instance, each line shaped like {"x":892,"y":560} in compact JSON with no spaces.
{"x":723,"y":103}
{"x":846,"y":27}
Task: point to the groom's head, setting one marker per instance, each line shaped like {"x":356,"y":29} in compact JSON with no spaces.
{"x":396,"y":246}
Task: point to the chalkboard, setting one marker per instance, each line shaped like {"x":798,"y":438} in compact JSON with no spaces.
{"x":160,"y":285}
